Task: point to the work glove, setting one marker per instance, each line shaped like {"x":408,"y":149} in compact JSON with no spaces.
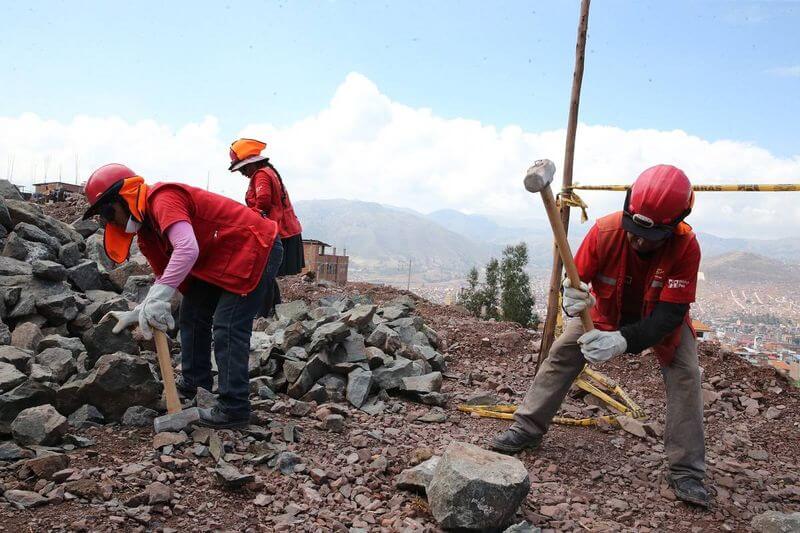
{"x":156,"y":310}
{"x":599,"y":346}
{"x":125,"y":319}
{"x":575,"y":300}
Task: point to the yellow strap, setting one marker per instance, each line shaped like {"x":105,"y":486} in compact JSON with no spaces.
{"x":589,"y":380}
{"x":571,"y":199}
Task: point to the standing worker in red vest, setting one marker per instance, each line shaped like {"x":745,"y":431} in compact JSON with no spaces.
{"x":642,"y":266}
{"x":220,"y":255}
{"x":267,"y":195}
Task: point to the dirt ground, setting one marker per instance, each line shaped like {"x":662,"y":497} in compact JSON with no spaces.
{"x":582,"y":479}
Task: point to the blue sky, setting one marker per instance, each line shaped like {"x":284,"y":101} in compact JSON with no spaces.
{"x":712,"y":69}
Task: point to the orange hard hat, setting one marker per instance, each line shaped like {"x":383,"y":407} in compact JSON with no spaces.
{"x":246,"y":151}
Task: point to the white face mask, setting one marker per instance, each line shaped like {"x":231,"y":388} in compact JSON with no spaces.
{"x":132,"y":226}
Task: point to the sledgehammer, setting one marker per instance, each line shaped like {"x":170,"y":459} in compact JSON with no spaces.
{"x":538,"y":179}
{"x":175,"y":419}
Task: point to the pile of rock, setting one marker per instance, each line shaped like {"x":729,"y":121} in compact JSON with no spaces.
{"x":348,"y":349}
{"x":56,"y":284}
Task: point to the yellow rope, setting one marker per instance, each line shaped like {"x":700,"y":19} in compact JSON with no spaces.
{"x":590,"y":381}
{"x":571,"y":199}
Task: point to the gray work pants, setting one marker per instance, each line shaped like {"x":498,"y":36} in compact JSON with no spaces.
{"x":683,"y":436}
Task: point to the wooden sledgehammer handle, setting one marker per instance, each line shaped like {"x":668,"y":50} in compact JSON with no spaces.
{"x":167,"y":375}
{"x":563,"y":248}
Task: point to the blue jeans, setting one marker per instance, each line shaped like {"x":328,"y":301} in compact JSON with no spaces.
{"x":206,"y":308}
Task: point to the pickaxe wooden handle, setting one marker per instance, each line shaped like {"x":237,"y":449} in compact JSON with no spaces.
{"x":538,"y":179}
{"x":167,"y":375}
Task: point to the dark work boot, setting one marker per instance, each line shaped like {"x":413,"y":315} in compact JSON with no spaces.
{"x":183,"y":389}
{"x":511,"y":442}
{"x":214,"y":417}
{"x":690,"y":490}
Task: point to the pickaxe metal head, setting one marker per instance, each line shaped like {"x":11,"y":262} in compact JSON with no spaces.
{"x":540,"y":175}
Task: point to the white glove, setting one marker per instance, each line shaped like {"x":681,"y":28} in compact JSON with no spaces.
{"x":575,"y":300}
{"x":598,"y":346}
{"x":125,"y":319}
{"x":156,"y":310}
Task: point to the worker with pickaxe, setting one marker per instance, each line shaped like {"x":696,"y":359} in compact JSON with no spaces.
{"x":634,"y":277}
{"x":219,"y":254}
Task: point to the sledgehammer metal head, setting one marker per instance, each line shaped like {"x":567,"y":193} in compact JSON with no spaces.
{"x":540,"y":175}
{"x":176,"y":421}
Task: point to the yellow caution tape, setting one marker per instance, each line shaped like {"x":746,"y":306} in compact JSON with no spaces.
{"x":590,"y":381}
{"x":745,"y":187}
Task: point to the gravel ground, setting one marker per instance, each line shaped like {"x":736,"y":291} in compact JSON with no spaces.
{"x":595,"y":479}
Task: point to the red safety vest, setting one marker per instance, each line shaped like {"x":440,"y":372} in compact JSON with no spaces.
{"x":283,"y":215}
{"x":234,"y":241}
{"x":609,"y":281}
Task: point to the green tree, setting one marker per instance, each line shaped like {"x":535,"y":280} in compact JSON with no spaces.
{"x":491,"y":290}
{"x":471,"y":297}
{"x":516,"y":299}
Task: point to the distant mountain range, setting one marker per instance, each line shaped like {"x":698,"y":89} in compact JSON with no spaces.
{"x":748,"y":268}
{"x":445,"y":244}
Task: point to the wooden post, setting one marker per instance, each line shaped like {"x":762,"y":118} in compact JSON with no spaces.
{"x":548,"y":334}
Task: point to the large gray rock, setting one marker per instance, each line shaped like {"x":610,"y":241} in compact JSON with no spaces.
{"x":85,"y":416}
{"x":473,"y":488}
{"x":327,"y":335}
{"x":418,"y":477}
{"x":26,"y":336}
{"x":136,"y":287}
{"x":85,"y":227}
{"x":49,"y":270}
{"x":139,"y":416}
{"x":58,"y":308}
{"x":423,"y":384}
{"x":97,"y":310}
{"x":24,"y":250}
{"x":293,"y":335}
{"x":70,"y":254}
{"x":41,"y":425}
{"x":28,"y":394}
{"x":23,"y":499}
{"x":9,"y":191}
{"x":59,"y":361}
{"x":292,"y":311}
{"x":72,"y":344}
{"x":10,"y":377}
{"x":335,"y":387}
{"x":14,"y":267}
{"x":359,"y":383}
{"x":121,"y":381}
{"x":87,"y":276}
{"x":100,"y":340}
{"x":21,"y":359}
{"x":775,"y":522}
{"x":32,"y":214}
{"x":314,"y":369}
{"x":31,"y":233}
{"x":391,"y":376}
{"x":360,"y":315}
{"x":385,"y":338}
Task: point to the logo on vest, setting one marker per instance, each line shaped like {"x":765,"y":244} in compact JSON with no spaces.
{"x":677,"y":283}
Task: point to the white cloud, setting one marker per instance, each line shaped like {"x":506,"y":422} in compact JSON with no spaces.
{"x":365,"y":146}
{"x":786,"y":72}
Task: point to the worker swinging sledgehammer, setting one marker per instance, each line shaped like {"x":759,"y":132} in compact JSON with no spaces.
{"x":641,"y":268}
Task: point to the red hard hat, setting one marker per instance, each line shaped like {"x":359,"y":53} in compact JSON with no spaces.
{"x":659,"y":200}
{"x":103,"y":181}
